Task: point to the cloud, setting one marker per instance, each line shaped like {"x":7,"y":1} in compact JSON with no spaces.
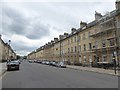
{"x":14,"y":22}
{"x":18,"y":47}
{"x":37,"y":30}
{"x":18,"y":1}
{"x":30,"y":24}
{"x":22,"y":43}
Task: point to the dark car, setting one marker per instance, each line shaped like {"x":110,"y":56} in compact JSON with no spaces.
{"x":38,"y":61}
{"x":13,"y":65}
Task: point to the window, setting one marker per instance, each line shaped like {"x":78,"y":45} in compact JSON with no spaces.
{"x":84,"y":58}
{"x":71,"y":40}
{"x":84,"y":47}
{"x":75,"y":49}
{"x":75,"y":38}
{"x":112,"y":42}
{"x":103,"y":43}
{"x":71,"y":49}
{"x":79,"y":50}
{"x":96,"y":44}
{"x":68,"y":50}
{"x":90,"y":46}
{"x":89,"y":33}
{"x":84,"y":36}
{"x":90,"y":58}
{"x":79,"y":38}
{"x":68,"y":41}
{"x":119,"y":40}
{"x":80,"y":59}
{"x":104,"y":58}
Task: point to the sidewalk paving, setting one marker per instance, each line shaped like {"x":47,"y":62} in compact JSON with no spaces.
{"x":93,"y":69}
{"x":3,"y":68}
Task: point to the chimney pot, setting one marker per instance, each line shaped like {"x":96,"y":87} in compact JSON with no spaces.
{"x":117,"y":3}
{"x":66,"y":34}
{"x":97,"y":15}
{"x":73,"y":30}
{"x":82,"y":24}
{"x":55,"y":39}
{"x":61,"y":37}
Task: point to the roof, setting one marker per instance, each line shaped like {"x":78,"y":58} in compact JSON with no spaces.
{"x":91,"y":24}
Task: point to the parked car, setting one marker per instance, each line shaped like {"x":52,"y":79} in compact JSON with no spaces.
{"x":13,"y":65}
{"x":31,"y":61}
{"x":47,"y":63}
{"x":43,"y":62}
{"x":18,"y":61}
{"x":61,"y":64}
{"x":38,"y":61}
{"x":53,"y":63}
{"x":35,"y":61}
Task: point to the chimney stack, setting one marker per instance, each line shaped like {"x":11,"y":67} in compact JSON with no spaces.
{"x":117,"y":3}
{"x":97,"y":15}
{"x":49,"y":43}
{"x":66,"y":34}
{"x":82,"y":24}
{"x":46,"y":44}
{"x":61,"y":37}
{"x":73,"y":30}
{"x":52,"y":41}
{"x":55,"y":39}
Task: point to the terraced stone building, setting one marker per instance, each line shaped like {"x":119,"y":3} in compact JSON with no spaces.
{"x":6,"y":52}
{"x":97,"y":41}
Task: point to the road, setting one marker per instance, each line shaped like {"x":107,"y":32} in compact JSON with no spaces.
{"x":33,"y":75}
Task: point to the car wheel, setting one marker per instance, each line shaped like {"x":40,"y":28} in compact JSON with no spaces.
{"x":8,"y":69}
{"x":18,"y":69}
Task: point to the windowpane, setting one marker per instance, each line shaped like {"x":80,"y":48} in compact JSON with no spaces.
{"x":84,"y":47}
{"x":90,"y":46}
{"x":103,"y":43}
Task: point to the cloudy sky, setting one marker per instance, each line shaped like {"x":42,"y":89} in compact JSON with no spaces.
{"x":30,"y":24}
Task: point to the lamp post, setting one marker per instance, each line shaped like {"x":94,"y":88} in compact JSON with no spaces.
{"x":9,"y":48}
{"x":35,"y":54}
{"x":14,"y":54}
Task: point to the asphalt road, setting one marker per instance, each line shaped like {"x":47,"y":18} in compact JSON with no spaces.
{"x":33,"y":75}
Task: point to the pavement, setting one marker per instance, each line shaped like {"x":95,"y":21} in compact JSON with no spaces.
{"x":3,"y":68}
{"x":34,"y":75}
{"x":93,"y":69}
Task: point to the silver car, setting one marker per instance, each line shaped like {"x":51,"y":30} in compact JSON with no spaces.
{"x":13,"y":65}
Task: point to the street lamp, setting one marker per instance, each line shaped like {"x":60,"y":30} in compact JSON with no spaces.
{"x":9,"y":42}
{"x":14,"y":54}
{"x":9,"y":48}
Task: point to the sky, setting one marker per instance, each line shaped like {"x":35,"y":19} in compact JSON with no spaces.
{"x":30,"y":24}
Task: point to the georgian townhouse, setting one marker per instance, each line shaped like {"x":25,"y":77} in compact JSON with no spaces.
{"x":97,"y":41}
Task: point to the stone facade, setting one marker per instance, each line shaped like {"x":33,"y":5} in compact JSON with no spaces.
{"x":94,"y":42}
{"x":6,"y":52}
